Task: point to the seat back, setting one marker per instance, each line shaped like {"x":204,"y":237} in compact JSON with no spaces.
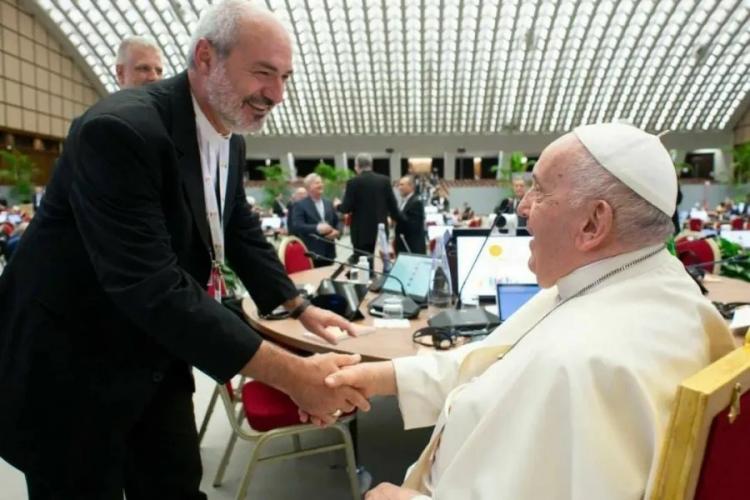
{"x":707,"y":445}
{"x":292,"y":255}
{"x":737,"y":223}
{"x":698,"y":251}
{"x":695,"y":224}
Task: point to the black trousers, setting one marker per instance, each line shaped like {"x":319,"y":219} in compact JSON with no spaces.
{"x":160,"y":455}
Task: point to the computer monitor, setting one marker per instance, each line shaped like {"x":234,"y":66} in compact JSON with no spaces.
{"x":741,"y":237}
{"x":504,"y":259}
{"x":510,"y":297}
{"x":414,"y":271}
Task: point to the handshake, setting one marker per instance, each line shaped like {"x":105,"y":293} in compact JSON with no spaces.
{"x":334,"y":384}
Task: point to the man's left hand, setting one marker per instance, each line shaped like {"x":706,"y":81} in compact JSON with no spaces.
{"x":332,"y":234}
{"x":316,"y":320}
{"x":388,"y":491}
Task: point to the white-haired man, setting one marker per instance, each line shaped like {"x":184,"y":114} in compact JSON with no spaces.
{"x":144,"y":205}
{"x":577,"y":405}
{"x":139,"y":61}
{"x":314,"y":215}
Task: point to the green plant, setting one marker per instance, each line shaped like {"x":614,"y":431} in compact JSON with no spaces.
{"x":18,"y":170}
{"x":276,"y":183}
{"x":736,"y":269}
{"x":334,"y":179}
{"x":516,"y":166}
{"x":741,"y":163}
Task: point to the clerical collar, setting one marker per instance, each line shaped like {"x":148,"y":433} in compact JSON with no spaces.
{"x":573,"y":283}
{"x":206,"y":131}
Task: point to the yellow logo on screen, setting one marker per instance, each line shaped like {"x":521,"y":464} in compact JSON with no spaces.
{"x":495,"y":250}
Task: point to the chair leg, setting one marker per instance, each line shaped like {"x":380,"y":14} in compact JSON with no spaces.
{"x":207,"y":416}
{"x":227,"y":453}
{"x":245,"y":483}
{"x":296,"y":442}
{"x":351,"y":463}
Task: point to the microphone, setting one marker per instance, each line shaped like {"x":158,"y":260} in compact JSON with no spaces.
{"x":498,"y":222}
{"x":314,"y":255}
{"x":339,"y":244}
{"x":403,"y":240}
{"x":735,"y":258}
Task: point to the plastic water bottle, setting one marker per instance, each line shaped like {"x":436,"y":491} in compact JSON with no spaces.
{"x":384,"y":248}
{"x":440,"y":292}
{"x":364,"y":270}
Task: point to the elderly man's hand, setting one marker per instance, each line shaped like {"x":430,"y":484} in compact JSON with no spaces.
{"x":388,"y":491}
{"x":316,"y":320}
{"x":322,"y":403}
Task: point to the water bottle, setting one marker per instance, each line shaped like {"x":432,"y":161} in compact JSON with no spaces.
{"x":384,"y":248}
{"x":364,"y":271}
{"x":440,"y":291}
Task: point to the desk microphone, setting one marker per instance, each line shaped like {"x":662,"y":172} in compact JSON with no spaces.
{"x":314,"y":255}
{"x":339,"y":244}
{"x":403,"y":240}
{"x":409,"y":306}
{"x":736,"y":258}
{"x":456,"y":319}
{"x":498,"y":222}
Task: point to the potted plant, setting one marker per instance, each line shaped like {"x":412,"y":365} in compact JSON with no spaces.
{"x":17,"y":170}
{"x":276,"y":183}
{"x":334,"y":179}
{"x":516,"y":166}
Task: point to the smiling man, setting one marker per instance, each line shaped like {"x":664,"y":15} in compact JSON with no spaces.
{"x":104,"y":305}
{"x":577,"y":406}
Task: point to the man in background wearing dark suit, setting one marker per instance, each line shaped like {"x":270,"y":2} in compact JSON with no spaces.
{"x":510,"y":205}
{"x":104,"y":305}
{"x":369,"y":198}
{"x":410,"y":222}
{"x":299,"y":194}
{"x":314,"y":215}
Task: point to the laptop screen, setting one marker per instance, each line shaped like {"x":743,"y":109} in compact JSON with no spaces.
{"x":504,"y":258}
{"x":510,"y":297}
{"x":414,"y":271}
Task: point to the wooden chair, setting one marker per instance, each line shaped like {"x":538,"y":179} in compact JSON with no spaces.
{"x":271,"y":414}
{"x":292,"y":254}
{"x":707,"y":446}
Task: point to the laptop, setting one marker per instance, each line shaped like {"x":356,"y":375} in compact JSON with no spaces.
{"x":511,"y":296}
{"x":413,"y":270}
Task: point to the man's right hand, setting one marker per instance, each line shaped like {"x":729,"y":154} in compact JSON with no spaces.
{"x":319,"y":400}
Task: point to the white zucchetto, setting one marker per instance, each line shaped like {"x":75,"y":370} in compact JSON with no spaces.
{"x":636,"y":158}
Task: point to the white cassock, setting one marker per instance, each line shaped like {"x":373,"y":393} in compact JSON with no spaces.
{"x":578,"y":409}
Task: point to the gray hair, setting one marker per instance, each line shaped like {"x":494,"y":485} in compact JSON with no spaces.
{"x":363,"y":161}
{"x":410,"y":179}
{"x":134,"y":41}
{"x":219,"y":24}
{"x":635,"y":219}
{"x":310,"y":178}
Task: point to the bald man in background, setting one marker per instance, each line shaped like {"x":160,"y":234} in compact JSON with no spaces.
{"x":139,"y":62}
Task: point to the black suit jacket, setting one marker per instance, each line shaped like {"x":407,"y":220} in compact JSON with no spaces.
{"x":369,"y":198}
{"x":410,"y":223}
{"x":305,"y":220}
{"x":105,"y":293}
{"x":506,"y":207}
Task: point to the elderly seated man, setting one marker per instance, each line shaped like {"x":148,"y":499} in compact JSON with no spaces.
{"x":569,"y":398}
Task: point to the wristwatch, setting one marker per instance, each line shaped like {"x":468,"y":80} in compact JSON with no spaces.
{"x":297,"y":311}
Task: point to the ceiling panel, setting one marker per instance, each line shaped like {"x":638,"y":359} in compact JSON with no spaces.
{"x":380,"y":67}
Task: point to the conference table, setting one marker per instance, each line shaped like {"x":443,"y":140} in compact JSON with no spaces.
{"x":389,"y":343}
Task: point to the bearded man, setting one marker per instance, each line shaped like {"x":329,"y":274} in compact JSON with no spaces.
{"x":105,"y":308}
